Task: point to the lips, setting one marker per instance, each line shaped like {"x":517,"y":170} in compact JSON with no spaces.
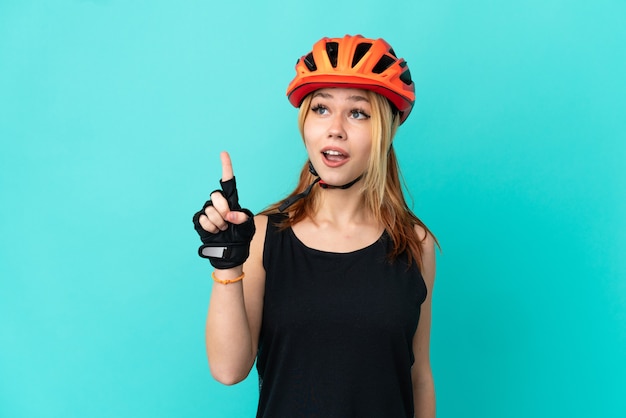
{"x":334,"y":157}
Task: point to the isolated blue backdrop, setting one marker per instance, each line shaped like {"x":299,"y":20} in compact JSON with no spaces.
{"x":112,"y":117}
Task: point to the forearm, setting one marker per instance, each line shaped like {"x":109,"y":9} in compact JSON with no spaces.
{"x":228,"y":336}
{"x":424,"y":397}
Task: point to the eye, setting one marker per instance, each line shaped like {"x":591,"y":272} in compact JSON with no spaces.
{"x":358,"y":114}
{"x":319,"y":109}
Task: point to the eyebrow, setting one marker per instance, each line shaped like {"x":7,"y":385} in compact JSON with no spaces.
{"x":354,"y":97}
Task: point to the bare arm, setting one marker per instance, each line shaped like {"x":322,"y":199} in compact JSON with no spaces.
{"x":423,"y":383}
{"x":234,"y":317}
{"x":235,"y":309}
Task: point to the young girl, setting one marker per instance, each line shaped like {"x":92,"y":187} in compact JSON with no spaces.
{"x":335,"y":306}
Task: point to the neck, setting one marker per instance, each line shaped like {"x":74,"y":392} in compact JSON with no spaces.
{"x":341,"y":206}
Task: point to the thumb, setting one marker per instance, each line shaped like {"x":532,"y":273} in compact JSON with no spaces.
{"x":236,"y":217}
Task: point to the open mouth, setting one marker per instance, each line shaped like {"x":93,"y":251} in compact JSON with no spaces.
{"x":334,"y":156}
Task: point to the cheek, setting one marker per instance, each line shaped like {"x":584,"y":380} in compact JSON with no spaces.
{"x":365,"y":143}
{"x":307,"y":139}
{"x":310,"y":132}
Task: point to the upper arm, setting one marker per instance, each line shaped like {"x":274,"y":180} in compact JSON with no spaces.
{"x":421,"y":340}
{"x":254,"y":282}
{"x":421,"y":373}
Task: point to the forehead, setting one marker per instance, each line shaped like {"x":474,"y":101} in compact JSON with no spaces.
{"x":342,"y":94}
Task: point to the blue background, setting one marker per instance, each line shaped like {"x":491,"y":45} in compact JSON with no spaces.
{"x":112,"y":117}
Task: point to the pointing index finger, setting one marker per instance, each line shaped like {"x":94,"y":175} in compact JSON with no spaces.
{"x":227,"y":166}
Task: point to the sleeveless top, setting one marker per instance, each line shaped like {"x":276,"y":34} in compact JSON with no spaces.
{"x":337,"y":330}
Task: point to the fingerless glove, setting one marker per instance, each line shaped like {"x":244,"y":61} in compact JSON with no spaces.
{"x":229,"y":248}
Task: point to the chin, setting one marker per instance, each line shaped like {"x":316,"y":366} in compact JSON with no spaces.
{"x":338,"y":181}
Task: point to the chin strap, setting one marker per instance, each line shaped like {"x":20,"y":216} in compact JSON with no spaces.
{"x":345,"y":186}
{"x":293,"y":199}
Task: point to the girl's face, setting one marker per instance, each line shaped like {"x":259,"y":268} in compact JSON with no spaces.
{"x":337,"y":134}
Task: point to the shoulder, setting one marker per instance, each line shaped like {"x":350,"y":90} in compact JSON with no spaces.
{"x":260,"y":223}
{"x":254,"y":264}
{"x":425,"y":238}
{"x":258,"y":240}
{"x":427,"y":242}
{"x":260,"y":220}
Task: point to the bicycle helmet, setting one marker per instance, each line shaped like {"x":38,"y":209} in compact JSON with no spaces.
{"x":357,"y":62}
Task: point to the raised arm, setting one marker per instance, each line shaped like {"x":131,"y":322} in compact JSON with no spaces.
{"x":236,"y":305}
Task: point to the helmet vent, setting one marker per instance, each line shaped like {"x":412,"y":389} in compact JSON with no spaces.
{"x":360,"y":51}
{"x":310,"y":62}
{"x":385,"y":62}
{"x":332,"y":49}
{"x":406,"y":77}
{"x":392,"y":52}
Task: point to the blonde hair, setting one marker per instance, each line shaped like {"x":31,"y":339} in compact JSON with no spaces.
{"x":381,"y":186}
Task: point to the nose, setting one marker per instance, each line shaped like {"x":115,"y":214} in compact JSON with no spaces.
{"x":336,"y":129}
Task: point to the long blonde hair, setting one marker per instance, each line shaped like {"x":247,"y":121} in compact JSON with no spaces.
{"x":381,"y":186}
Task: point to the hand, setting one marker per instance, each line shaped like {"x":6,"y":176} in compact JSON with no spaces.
{"x":224,"y":227}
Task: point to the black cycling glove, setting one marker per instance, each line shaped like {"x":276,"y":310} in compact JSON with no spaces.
{"x":229,"y":248}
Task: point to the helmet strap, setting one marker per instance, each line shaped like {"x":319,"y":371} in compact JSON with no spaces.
{"x":293,"y":199}
{"x":324,"y":185}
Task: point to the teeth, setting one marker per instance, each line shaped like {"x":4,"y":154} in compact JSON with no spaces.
{"x":331,"y":152}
